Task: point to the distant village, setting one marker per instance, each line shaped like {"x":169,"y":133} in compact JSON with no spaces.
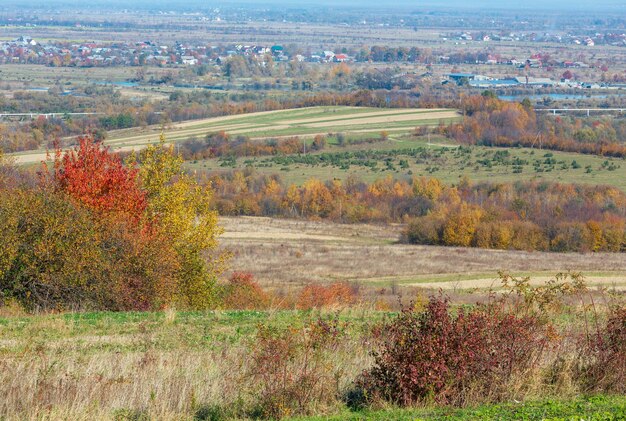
{"x":614,"y":39}
{"x":92,"y":54}
{"x":25,"y":50}
{"x":486,"y":82}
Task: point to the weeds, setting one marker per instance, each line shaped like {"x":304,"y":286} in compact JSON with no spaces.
{"x":291,"y":372}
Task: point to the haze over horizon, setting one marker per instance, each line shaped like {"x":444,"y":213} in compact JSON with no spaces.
{"x":565,"y":5}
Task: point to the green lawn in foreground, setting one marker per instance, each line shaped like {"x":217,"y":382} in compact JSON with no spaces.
{"x":74,"y":333}
{"x":601,"y":407}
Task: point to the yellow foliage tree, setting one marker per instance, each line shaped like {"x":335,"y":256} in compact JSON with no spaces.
{"x":180,"y":209}
{"x":461,"y":225}
{"x":427,"y":187}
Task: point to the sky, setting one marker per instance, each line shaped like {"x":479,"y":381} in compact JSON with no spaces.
{"x":597,"y":5}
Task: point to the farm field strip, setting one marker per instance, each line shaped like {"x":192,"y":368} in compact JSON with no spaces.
{"x":393,"y":118}
{"x":303,"y":121}
{"x":291,"y":119}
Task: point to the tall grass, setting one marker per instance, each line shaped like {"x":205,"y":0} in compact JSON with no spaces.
{"x":522,"y":342}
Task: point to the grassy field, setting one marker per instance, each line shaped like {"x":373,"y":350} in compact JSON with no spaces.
{"x":112,"y":365}
{"x":182,"y":365}
{"x":404,"y":156}
{"x":285,"y":254}
{"x":587,"y":408}
{"x":297,"y":122}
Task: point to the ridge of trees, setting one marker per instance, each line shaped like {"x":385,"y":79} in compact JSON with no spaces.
{"x":522,"y":215}
{"x":492,"y":122}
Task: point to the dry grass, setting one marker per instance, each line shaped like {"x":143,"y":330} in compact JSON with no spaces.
{"x":287,"y":253}
{"x":170,"y":365}
{"x":158,"y":366}
{"x":95,"y":386}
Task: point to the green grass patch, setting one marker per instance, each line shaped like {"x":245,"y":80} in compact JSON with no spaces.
{"x":404,"y":156}
{"x":583,"y":408}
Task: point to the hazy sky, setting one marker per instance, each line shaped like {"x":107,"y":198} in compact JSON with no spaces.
{"x":612,"y":5}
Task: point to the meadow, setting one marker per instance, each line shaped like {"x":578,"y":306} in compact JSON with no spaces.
{"x":297,"y":122}
{"x":286,"y":255}
{"x":404,"y":155}
{"x":122,"y":299}
{"x":203,"y":366}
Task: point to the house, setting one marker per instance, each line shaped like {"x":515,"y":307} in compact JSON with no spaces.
{"x":341,"y":58}
{"x":189,"y":60}
{"x":459,"y":76}
{"x":535,"y":81}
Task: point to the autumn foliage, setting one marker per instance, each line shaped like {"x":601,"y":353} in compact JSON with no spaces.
{"x":338,"y":294}
{"x":520,"y":216}
{"x":96,"y":233}
{"x":243,"y":293}
{"x":436,"y":356}
{"x":492,"y":122}
{"x":99,"y":180}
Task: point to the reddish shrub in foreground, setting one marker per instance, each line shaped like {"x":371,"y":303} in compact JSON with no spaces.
{"x":292,"y":371}
{"x":244,"y":293}
{"x":434,"y":355}
{"x":317,"y":296}
{"x":604,"y":356}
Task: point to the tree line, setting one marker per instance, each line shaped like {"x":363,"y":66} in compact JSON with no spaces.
{"x":489,"y":121}
{"x":522,"y":215}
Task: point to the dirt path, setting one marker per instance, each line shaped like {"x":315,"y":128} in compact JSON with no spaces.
{"x":618,"y":281}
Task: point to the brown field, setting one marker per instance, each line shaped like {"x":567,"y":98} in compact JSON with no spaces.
{"x":290,"y":253}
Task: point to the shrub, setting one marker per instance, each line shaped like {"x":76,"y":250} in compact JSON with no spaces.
{"x":291,"y":371}
{"x":57,"y":255}
{"x":603,"y":356}
{"x":97,"y":234}
{"x":425,"y":230}
{"x":244,"y":293}
{"x":434,"y":355}
{"x":318,"y":296}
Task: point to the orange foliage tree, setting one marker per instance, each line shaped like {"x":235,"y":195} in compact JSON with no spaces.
{"x":98,"y":179}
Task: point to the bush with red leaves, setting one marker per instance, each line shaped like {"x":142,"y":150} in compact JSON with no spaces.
{"x":603,"y":355}
{"x":95,"y":177}
{"x":244,"y":293}
{"x":452,"y":359}
{"x":318,"y":296}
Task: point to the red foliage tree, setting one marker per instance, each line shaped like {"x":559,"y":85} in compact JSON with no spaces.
{"x":94,"y":176}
